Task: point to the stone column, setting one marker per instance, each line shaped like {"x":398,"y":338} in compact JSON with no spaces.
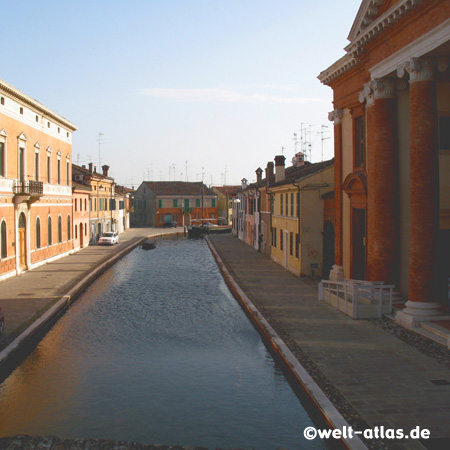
{"x":424,"y":193}
{"x":382,"y":181}
{"x":337,"y":272}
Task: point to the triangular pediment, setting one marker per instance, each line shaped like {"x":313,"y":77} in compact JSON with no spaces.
{"x":3,"y":133}
{"x":368,"y":13}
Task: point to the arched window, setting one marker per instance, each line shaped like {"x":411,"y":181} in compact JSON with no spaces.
{"x":68,"y":227}
{"x":59,"y":229}
{"x":4,"y":247}
{"x":49,"y":231}
{"x":38,"y":233}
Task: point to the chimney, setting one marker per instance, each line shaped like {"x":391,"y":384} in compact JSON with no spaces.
{"x":244,"y":183}
{"x":298,"y":160}
{"x":83,"y":166}
{"x":279,"y":168}
{"x":91,"y":165}
{"x":95,"y":169}
{"x":105,"y":169}
{"x":269,"y":172}
{"x":258,"y":175}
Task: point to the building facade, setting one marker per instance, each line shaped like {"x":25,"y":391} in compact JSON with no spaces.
{"x":35,"y":183}
{"x":101,"y":200}
{"x":392,"y":152}
{"x":176,"y":203}
{"x":297,"y":216}
{"x":81,"y":213}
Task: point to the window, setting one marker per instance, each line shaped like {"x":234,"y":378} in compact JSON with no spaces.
{"x":281,"y":240}
{"x":292,"y":205}
{"x":49,"y":230}
{"x":36,"y":166}
{"x":274,"y":237}
{"x":95,"y":204}
{"x":291,"y":244}
{"x":359,"y":141}
{"x":4,"y":247}
{"x":297,"y":245}
{"x":213,"y":203}
{"x":161,"y":218}
{"x":37,"y":118}
{"x":49,"y":167}
{"x":21,"y":110}
{"x":59,"y":229}
{"x":76,"y":231}
{"x":21,"y":163}
{"x":85,"y":204}
{"x":160,"y":203}
{"x":2,"y":100}
{"x":68,"y":172}
{"x":298,"y":204}
{"x":75,"y":203}
{"x":197,"y":203}
{"x":281,"y":204}
{"x":287,"y":204}
{"x":38,"y":233}
{"x":68,"y":227}
{"x":175,"y":203}
{"x":59,"y":170}
{"x":2,"y":159}
{"x":186,"y":204}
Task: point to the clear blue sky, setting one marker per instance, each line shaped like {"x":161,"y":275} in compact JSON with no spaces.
{"x":221,"y":84}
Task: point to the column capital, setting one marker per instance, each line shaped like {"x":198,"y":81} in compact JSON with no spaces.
{"x":336,"y":116}
{"x":419,"y":69}
{"x":377,"y":88}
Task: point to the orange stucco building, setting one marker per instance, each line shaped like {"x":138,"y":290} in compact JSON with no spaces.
{"x":392,"y":152}
{"x":35,"y":183}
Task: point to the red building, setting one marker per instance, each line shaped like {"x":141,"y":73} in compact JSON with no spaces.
{"x":392,"y":152}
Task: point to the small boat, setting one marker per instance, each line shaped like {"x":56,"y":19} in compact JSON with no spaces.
{"x":148,"y":245}
{"x":197,"y":232}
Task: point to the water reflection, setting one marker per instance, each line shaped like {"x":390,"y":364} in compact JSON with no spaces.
{"x":156,"y":351}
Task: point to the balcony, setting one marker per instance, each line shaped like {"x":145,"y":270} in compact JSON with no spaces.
{"x":28,"y":190}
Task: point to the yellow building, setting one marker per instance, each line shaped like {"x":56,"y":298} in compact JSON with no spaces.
{"x":297,"y":214}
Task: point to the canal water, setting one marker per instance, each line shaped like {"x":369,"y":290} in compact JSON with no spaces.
{"x":158,"y":351}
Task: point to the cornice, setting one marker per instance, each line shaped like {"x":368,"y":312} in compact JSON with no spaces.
{"x":365,"y":29}
{"x":20,"y":96}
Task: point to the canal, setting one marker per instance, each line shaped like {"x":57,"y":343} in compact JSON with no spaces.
{"x":157,"y":350}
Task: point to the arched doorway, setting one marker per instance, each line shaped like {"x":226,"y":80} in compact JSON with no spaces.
{"x":81,"y":235}
{"x":328,"y":249}
{"x":22,"y":242}
{"x":355,"y":186}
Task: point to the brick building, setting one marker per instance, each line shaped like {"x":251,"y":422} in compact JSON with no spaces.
{"x":35,"y":183}
{"x":392,"y":152}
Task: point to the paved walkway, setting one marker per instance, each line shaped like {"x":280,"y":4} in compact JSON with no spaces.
{"x":367,"y":371}
{"x":372,"y":377}
{"x":25,"y":298}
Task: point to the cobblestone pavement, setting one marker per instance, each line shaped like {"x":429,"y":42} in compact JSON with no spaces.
{"x":373,"y":377}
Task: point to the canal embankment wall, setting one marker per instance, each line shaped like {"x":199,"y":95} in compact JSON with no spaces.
{"x":329,"y":412}
{"x":63,"y":281}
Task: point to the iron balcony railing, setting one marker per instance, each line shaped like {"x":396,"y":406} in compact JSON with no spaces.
{"x":29,"y":188}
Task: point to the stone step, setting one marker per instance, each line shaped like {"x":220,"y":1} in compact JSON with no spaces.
{"x":431,"y":335}
{"x":436,"y":329}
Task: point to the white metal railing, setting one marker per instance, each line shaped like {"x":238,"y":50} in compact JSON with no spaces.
{"x":358,"y":299}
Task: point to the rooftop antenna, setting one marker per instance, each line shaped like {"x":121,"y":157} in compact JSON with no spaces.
{"x":186,"y":173}
{"x":203,"y":174}
{"x":295,"y":142}
{"x":100,"y":139}
{"x":282,"y":150}
{"x":322,"y":138}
